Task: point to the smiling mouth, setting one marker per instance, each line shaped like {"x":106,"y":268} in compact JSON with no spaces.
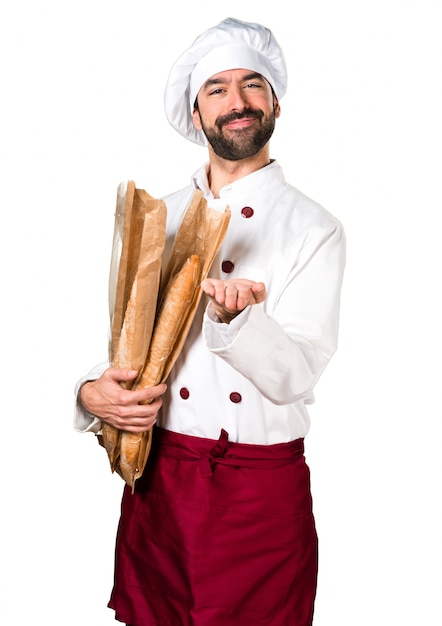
{"x":239,"y":120}
{"x":245,"y":121}
{"x":240,"y":124}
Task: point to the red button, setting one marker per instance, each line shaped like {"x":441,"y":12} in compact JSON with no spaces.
{"x":227,"y":266}
{"x":247,"y":211}
{"x":235,"y":397}
{"x":184,"y":393}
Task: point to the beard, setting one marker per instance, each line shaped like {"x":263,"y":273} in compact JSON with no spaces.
{"x":243,"y":143}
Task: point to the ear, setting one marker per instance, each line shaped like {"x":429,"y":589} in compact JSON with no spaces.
{"x":276,"y":106}
{"x":196,"y":118}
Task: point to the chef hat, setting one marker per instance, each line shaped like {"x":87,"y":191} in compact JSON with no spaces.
{"x":231,"y":44}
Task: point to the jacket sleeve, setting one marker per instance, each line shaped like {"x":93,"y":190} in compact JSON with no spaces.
{"x":283,"y":348}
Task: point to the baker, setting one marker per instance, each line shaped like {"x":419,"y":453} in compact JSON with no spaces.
{"x":220,"y":530}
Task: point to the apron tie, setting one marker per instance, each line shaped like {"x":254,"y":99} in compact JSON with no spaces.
{"x":207,"y":462}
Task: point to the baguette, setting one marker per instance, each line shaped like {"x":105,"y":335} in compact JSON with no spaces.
{"x":140,"y":231}
{"x":174,"y":306}
{"x":176,"y":301}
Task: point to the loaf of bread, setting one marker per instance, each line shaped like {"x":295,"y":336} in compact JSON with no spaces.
{"x":178,"y":297}
{"x":144,"y":332}
{"x":137,"y":251}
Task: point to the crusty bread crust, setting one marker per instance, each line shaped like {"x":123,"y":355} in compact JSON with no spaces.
{"x":134,"y":447}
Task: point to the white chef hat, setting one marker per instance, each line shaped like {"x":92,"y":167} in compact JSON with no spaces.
{"x":232,"y":44}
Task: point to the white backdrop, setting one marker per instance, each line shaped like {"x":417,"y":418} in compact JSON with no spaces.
{"x":361,"y":133}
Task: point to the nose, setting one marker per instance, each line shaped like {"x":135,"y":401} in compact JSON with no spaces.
{"x":237,"y":99}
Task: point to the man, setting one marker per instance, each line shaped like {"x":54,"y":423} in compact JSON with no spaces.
{"x":220,"y":530}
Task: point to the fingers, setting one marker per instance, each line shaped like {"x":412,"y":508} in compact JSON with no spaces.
{"x":208,"y":286}
{"x":230,"y":297}
{"x":117,"y":374}
{"x":132,"y":410}
{"x":259,"y":292}
{"x":240,"y":294}
{"x":137,"y":418}
{"x":236,"y":297}
{"x":247,"y":291}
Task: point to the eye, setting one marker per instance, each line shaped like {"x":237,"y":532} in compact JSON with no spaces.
{"x":253,"y":86}
{"x":218,"y":91}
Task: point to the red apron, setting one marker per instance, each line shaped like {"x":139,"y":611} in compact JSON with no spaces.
{"x":217,"y":534}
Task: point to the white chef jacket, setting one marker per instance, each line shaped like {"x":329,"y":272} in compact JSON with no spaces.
{"x":255,"y":376}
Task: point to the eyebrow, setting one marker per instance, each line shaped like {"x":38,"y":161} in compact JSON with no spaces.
{"x":220,"y":81}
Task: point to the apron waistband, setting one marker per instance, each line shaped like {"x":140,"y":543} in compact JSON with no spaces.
{"x":209,"y":452}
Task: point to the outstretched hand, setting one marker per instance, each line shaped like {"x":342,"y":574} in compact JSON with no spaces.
{"x":230,"y":297}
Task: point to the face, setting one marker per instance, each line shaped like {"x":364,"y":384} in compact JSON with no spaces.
{"x":236,"y":111}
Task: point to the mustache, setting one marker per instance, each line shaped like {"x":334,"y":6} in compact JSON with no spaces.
{"x":239,"y":115}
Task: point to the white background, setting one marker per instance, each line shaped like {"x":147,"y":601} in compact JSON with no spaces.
{"x":82,"y":110}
